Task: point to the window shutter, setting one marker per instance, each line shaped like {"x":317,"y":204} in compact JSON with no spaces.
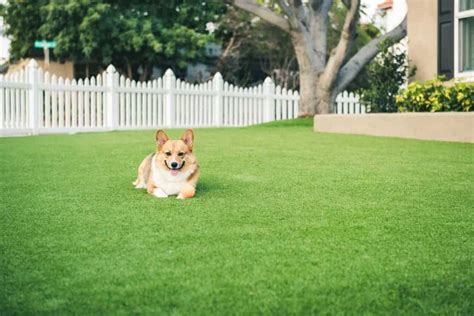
{"x":446,"y":38}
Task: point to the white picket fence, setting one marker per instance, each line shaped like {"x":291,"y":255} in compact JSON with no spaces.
{"x":34,"y":102}
{"x":349,"y":103}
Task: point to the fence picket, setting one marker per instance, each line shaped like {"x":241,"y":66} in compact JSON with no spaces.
{"x":149,"y":105}
{"x":47,"y":101}
{"x":209,"y":106}
{"x":240,"y":113}
{"x":23,"y":105}
{"x":139,"y":105}
{"x":296,"y":98}
{"x":61,"y":103}
{"x":232,"y":109}
{"x":86,"y":104}
{"x":134,"y":105}
{"x":200,"y":105}
{"x":17,"y":103}
{"x":128,"y":103}
{"x":67,"y":104}
{"x":278,"y":93}
{"x":178,"y":103}
{"x":161,"y":97}
{"x":99,"y":100}
{"x":80,"y":108}
{"x":7,"y":107}
{"x":54,"y":102}
{"x":187,"y":108}
{"x":74,"y":104}
{"x":144,"y":106}
{"x":346,"y":102}
{"x":93,"y":109}
{"x":260,"y":105}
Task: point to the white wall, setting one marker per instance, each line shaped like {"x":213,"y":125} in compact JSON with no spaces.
{"x":395,"y":15}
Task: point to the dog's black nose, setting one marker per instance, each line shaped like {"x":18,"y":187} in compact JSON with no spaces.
{"x":174,"y":165}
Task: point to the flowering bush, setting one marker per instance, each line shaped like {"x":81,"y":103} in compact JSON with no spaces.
{"x":433,"y":96}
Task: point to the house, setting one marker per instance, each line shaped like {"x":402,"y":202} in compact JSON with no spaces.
{"x":393,"y":12}
{"x":441,"y":38}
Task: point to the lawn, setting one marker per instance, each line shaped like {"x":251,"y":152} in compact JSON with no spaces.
{"x":285,"y":221}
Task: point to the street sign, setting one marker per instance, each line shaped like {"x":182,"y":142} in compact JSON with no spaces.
{"x":45,"y":44}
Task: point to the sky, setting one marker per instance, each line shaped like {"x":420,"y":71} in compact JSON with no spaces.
{"x":371,"y":6}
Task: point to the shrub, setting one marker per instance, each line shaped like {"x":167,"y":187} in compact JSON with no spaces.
{"x":386,"y":74}
{"x":434,"y":96}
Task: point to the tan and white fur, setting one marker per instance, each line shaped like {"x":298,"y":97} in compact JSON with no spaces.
{"x":172,"y":170}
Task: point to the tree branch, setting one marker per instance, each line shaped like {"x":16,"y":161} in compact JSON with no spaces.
{"x":288,"y":9}
{"x":262,"y":12}
{"x":327,"y":4}
{"x":300,"y":15}
{"x":352,"y":68}
{"x":338,"y":54}
{"x":319,"y":24}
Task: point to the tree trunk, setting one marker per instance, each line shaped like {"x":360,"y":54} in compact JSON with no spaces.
{"x":144,"y":75}
{"x":315,"y":96}
{"x":323,"y":99}
{"x":87,"y":70}
{"x":129,"y":70}
{"x":308,"y":96}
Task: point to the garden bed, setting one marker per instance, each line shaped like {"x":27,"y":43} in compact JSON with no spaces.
{"x":445,"y":126}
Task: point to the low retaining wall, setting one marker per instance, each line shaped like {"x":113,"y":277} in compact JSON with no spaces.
{"x":446,"y":126}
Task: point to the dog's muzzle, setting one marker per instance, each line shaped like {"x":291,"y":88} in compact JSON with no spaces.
{"x":175,"y":165}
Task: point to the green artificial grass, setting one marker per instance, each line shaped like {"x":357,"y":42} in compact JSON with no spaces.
{"x":285,"y":221}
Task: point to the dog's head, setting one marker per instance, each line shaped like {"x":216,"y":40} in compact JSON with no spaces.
{"x":174,"y":155}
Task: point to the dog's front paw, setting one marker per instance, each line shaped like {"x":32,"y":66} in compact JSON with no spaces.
{"x":140,"y":185}
{"x":159,"y":193}
{"x":187,"y":192}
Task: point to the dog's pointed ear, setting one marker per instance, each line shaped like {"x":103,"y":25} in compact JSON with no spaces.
{"x":188,"y":138}
{"x":161,"y":138}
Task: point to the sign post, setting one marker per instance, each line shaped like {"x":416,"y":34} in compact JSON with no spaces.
{"x":45,"y":45}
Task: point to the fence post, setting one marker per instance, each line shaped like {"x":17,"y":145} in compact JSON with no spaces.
{"x":269,"y":105}
{"x":111,"y":105}
{"x":218,"y":84}
{"x":170,"y":86}
{"x":33,"y":94}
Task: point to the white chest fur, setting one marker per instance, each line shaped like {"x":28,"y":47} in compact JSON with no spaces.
{"x":170,"y":184}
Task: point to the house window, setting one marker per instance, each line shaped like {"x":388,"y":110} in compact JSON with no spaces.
{"x":466,"y":5}
{"x":464,"y":38}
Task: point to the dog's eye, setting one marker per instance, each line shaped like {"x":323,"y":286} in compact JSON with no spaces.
{"x":181,"y":154}
{"x":168,"y":153}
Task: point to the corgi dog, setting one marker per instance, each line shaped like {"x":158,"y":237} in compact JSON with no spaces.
{"x":172,"y":170}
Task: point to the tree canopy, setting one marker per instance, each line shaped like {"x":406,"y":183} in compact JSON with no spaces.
{"x":132,"y":35}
